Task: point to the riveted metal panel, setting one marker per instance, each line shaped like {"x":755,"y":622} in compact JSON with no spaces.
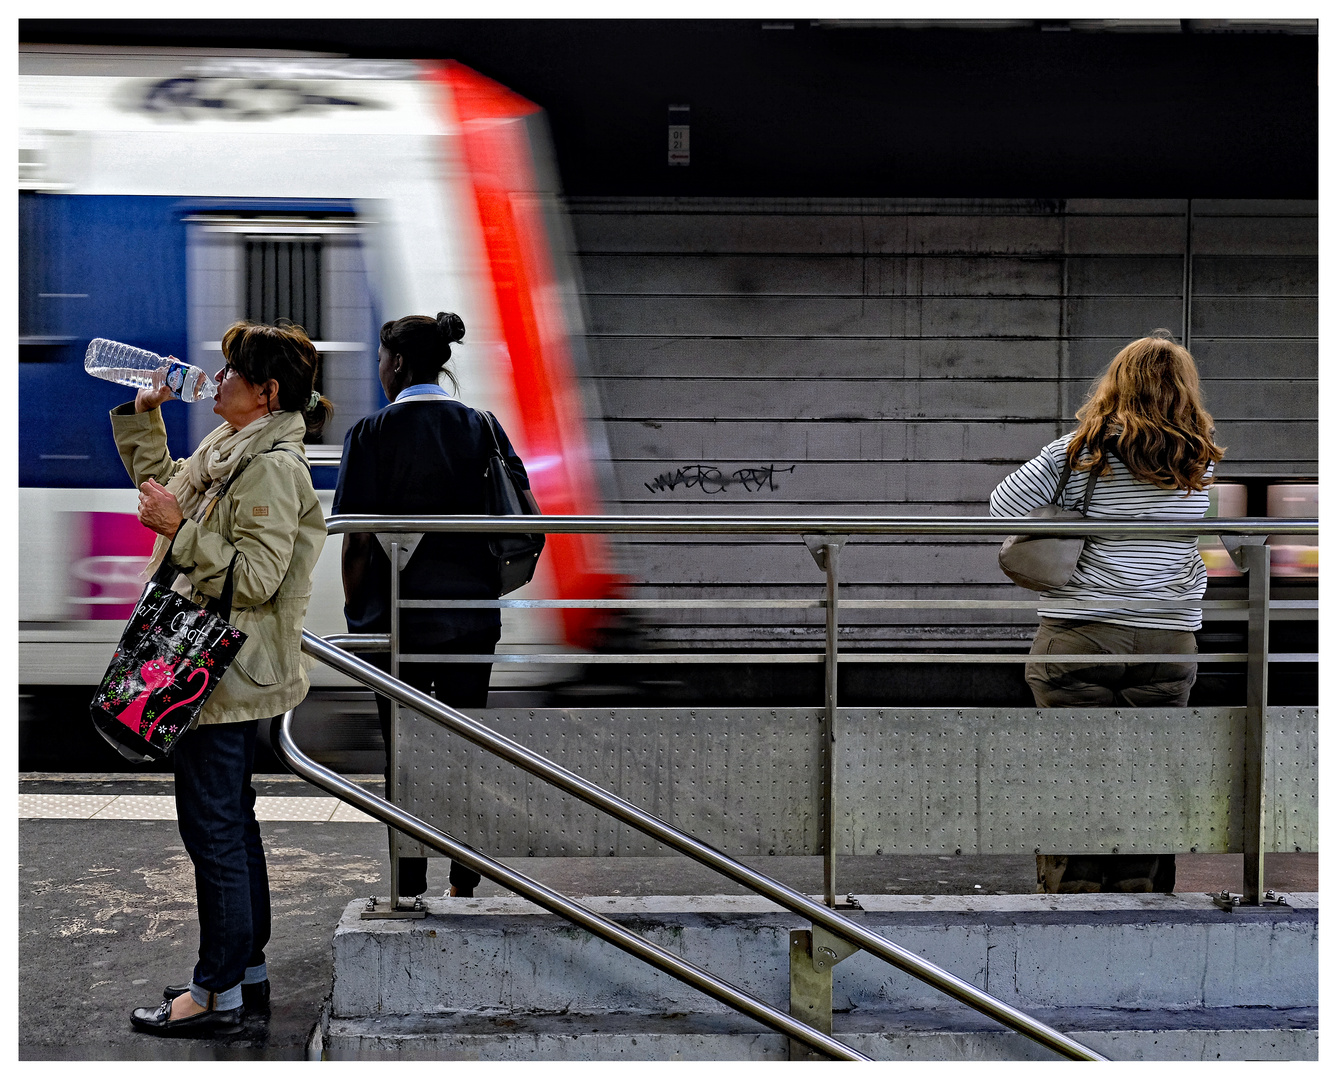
{"x":1292,"y":779}
{"x":906,"y":780}
{"x":1075,"y":780}
{"x":909,"y":781}
{"x":745,"y":780}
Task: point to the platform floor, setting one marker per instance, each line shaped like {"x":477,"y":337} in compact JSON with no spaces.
{"x":107,"y":910}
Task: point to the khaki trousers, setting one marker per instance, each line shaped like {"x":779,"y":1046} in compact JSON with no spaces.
{"x":1058,"y":686}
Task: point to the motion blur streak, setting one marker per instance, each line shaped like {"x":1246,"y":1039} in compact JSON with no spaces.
{"x":501,"y":168}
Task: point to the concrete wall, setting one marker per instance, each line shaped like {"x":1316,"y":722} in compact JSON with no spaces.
{"x":790,"y":356}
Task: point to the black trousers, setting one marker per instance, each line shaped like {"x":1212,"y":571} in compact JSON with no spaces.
{"x":460,"y":685}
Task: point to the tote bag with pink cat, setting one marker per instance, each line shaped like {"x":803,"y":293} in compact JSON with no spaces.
{"x":171,"y":656}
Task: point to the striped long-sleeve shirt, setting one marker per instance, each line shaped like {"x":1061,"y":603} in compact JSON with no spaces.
{"x":1110,"y":568}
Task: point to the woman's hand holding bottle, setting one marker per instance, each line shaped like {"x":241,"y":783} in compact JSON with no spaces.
{"x":150,"y":399}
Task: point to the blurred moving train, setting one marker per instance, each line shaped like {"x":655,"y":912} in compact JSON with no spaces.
{"x":740,"y":356}
{"x":165,"y":194}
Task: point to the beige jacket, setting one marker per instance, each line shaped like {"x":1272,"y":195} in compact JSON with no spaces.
{"x":271,"y":520}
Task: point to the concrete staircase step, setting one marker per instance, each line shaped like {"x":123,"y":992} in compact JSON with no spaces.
{"x":1135,"y":977}
{"x":1187,"y":1035}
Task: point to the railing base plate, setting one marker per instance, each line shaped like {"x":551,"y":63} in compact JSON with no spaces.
{"x":382,"y":909}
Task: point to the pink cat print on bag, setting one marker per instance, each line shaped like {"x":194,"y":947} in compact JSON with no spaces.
{"x":157,"y":675}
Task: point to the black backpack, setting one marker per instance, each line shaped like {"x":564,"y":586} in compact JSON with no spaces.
{"x":517,"y":554}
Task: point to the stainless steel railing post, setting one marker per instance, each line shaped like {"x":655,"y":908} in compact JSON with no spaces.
{"x":391,"y":765}
{"x":1258,"y":564}
{"x":830,"y":746}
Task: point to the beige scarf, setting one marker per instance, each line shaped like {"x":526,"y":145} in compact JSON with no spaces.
{"x":200,"y":480}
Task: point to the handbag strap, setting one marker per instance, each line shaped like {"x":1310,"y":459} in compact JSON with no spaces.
{"x":1090,"y":489}
{"x":222,"y":607}
{"x":491,"y":421}
{"x":167,"y":570}
{"x":1063,"y":483}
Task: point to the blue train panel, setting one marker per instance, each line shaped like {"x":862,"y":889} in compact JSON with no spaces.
{"x":109,"y":266}
{"x":91,"y":266}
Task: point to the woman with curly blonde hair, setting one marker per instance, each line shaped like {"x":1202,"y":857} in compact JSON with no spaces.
{"x":1149,"y":440}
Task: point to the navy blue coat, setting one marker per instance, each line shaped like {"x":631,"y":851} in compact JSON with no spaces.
{"x":424,"y":455}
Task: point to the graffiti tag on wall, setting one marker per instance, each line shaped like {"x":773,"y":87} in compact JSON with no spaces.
{"x":712,"y":480}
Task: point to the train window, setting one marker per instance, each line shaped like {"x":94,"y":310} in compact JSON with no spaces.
{"x":283,"y":282}
{"x":309,"y":270}
{"x":42,"y":298}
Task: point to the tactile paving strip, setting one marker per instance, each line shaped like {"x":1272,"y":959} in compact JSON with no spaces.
{"x":345,"y":813}
{"x":295,"y":808}
{"x":163,"y":808}
{"x":140,"y":808}
{"x":62,"y":806}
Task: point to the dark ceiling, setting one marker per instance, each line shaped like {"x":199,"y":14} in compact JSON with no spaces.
{"x":870,"y":111}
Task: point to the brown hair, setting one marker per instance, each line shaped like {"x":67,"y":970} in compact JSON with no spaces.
{"x":1148,"y":408}
{"x":259,"y":352}
{"x":425,"y":343}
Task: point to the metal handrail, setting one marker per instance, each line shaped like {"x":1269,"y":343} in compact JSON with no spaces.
{"x":811,"y":526}
{"x":824,"y":537}
{"x":381,"y":643}
{"x":573,"y":784}
{"x":822,"y":527}
{"x":641,"y":524}
{"x":558,"y":903}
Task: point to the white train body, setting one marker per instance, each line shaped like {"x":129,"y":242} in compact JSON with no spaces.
{"x":166,"y":194}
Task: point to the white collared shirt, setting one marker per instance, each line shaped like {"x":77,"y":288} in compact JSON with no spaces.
{"x":421,"y":390}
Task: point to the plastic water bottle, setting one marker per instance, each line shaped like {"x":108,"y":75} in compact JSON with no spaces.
{"x":144,"y":370}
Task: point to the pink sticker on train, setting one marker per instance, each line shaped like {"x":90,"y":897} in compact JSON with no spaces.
{"x":109,"y":553}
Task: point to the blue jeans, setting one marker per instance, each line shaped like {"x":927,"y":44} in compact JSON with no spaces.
{"x":215,"y":811}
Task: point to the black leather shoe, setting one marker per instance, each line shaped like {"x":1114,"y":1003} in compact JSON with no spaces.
{"x":254,"y":996}
{"x":157,"y":1021}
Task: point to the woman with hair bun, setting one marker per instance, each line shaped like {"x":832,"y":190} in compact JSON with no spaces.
{"x":1147,"y":436}
{"x":241,"y":503}
{"x":423,"y":454}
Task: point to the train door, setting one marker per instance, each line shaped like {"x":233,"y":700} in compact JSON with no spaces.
{"x":267,"y":262}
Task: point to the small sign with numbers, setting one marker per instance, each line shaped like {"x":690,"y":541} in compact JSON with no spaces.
{"x":680,"y":140}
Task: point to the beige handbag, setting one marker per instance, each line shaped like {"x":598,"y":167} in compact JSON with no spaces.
{"x":1046,"y":562}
